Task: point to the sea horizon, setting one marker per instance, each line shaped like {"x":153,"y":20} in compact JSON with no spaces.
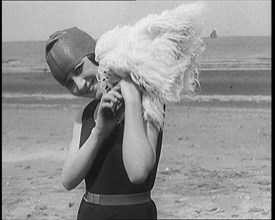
{"x":204,"y":37}
{"x":252,"y":52}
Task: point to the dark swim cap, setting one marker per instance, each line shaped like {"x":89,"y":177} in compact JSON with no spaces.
{"x":65,"y":49}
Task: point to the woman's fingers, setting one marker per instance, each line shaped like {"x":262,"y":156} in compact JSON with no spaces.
{"x":119,"y":109}
{"x":112,"y":96}
{"x":106,"y":105}
{"x":115,"y":94}
{"x":116,"y":87}
{"x":112,"y":101}
{"x":108,"y":98}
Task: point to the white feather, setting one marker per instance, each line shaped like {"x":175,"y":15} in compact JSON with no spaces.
{"x":159,"y":53}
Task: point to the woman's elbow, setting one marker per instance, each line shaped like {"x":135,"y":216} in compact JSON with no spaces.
{"x":138,"y":176}
{"x":137,"y":179}
{"x":68,"y":185}
{"x":138,"y":173}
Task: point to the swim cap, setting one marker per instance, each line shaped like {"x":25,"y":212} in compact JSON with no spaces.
{"x":65,"y":49}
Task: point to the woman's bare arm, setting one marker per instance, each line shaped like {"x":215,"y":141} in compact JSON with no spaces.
{"x":79,"y":160}
{"x":139,"y":139}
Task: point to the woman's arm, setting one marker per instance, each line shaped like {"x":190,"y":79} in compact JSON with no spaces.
{"x":139,"y":139}
{"x":79,"y":160}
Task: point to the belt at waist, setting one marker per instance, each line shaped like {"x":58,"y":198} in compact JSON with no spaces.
{"x":127,"y":199}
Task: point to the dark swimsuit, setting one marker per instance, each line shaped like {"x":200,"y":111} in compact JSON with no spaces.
{"x":108,"y":175}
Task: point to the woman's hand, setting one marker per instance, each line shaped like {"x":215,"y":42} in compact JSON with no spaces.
{"x":109,"y":111}
{"x":130,"y":91}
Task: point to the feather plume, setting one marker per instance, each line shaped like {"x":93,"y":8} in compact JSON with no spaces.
{"x":160,"y":53}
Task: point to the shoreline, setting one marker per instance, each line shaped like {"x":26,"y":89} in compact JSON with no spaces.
{"x":45,"y":70}
{"x":212,"y":82}
{"x":261,"y":103}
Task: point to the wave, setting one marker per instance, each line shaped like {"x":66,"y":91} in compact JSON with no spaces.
{"x":253,"y":63}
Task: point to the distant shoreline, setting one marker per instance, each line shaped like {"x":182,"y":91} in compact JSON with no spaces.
{"x":204,"y":37}
{"x":249,"y":82}
{"x":45,"y":69}
{"x":221,"y":53}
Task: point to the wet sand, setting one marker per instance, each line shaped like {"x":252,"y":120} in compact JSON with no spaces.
{"x":215,"y":160}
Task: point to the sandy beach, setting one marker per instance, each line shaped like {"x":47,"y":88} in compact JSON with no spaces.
{"x":215,"y":163}
{"x":215,"y":160}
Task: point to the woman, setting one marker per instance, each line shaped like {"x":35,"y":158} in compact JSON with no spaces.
{"x":113,"y":149}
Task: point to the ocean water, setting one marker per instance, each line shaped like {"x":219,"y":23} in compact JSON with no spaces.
{"x":237,"y":52}
{"x":222,"y":52}
{"x":237,"y":48}
{"x":23,"y":51}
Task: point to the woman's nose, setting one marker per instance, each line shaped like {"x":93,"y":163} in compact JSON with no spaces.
{"x":79,"y":82}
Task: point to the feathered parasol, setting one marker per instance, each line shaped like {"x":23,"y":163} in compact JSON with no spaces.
{"x":159,"y":53}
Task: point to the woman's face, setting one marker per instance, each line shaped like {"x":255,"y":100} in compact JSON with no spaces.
{"x":82,"y":81}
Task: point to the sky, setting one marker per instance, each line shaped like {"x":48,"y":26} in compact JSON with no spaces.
{"x":36,"y":20}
